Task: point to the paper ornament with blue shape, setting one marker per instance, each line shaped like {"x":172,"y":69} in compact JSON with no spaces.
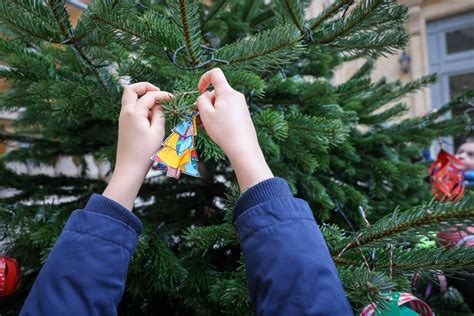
{"x":178,"y":153}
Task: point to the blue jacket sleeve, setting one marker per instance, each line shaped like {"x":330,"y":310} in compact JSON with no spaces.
{"x":289,"y":268}
{"x":85,"y":272}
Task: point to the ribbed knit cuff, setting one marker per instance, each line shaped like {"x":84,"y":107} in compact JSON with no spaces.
{"x":274,"y":188}
{"x":103,"y":205}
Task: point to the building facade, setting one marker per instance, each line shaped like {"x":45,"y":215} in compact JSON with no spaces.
{"x":441,"y":41}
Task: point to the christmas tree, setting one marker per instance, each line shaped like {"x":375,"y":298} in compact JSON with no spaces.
{"x":347,"y":149}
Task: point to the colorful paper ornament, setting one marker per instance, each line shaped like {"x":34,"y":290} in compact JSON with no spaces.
{"x":178,"y":154}
{"x":403,"y":304}
{"x":9,"y":276}
{"x":447,"y":176}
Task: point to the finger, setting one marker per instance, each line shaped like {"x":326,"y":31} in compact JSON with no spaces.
{"x":216,"y":78}
{"x":213,"y":96}
{"x":205,"y":105}
{"x":133,"y":91}
{"x":151,"y":98}
{"x":157,"y":121}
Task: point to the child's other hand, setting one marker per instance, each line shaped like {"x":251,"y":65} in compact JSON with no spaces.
{"x":226,"y":118}
{"x":141,"y":128}
{"x":141,"y":132}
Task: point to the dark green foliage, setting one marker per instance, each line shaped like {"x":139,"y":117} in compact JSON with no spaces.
{"x":263,"y":51}
{"x":339,"y":146}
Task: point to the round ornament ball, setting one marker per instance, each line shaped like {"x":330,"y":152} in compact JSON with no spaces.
{"x":9,"y":276}
{"x":402,"y":304}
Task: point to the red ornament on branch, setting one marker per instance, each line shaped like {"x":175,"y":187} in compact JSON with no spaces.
{"x":447,"y":176}
{"x":9,"y":276}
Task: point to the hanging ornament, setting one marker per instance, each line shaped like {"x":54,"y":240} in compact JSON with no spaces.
{"x":178,"y":153}
{"x":469,"y":178}
{"x":403,"y":304}
{"x":428,"y":283}
{"x":457,"y":236}
{"x":447,"y":176}
{"x":9,"y":276}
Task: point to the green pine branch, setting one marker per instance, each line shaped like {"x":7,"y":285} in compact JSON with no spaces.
{"x":424,"y":130}
{"x":365,"y":70}
{"x":61,"y":16}
{"x":208,"y":150}
{"x":148,"y":28}
{"x":408,"y":260}
{"x":353,"y":90}
{"x":155,"y":268}
{"x":318,"y":93}
{"x":36,"y":9}
{"x":246,"y":9}
{"x":264,"y":51}
{"x":204,"y":238}
{"x":368,"y":287}
{"x":422,"y":219}
{"x":272,"y":130}
{"x":371,"y":28}
{"x":24,"y":65}
{"x":245,"y":81}
{"x":273,"y":123}
{"x":361,"y":18}
{"x":373,"y":44}
{"x":215,"y":8}
{"x":292,"y":11}
{"x":384,"y":93}
{"x":262,"y":17}
{"x":460,"y":100}
{"x":329,"y":12}
{"x":231,"y":293}
{"x":185,"y":14}
{"x":27,"y":24}
{"x":388,"y":114}
{"x":426,"y":127}
{"x":311,"y":136}
{"x":317,"y":129}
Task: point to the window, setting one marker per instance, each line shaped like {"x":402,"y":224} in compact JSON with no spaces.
{"x":457,"y":83}
{"x":451,"y":56}
{"x":460,"y":40}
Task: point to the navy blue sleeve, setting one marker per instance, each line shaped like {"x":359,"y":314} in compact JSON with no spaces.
{"x":289,"y":268}
{"x":85,"y":272}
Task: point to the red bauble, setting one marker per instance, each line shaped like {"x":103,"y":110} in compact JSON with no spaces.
{"x":447,"y":175}
{"x":9,"y":276}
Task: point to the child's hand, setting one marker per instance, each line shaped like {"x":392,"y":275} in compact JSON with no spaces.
{"x":226,"y":118}
{"x":141,"y":132}
{"x":141,"y":128}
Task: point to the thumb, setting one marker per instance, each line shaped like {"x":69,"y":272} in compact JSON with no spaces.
{"x":205,"y":104}
{"x":157,"y":121}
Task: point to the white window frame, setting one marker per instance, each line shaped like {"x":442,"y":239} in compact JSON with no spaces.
{"x":444,"y":64}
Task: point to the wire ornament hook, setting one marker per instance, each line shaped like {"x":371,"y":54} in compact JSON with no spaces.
{"x":308,"y":34}
{"x":209,"y":51}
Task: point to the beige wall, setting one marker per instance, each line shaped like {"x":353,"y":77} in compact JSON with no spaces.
{"x":421,"y":12}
